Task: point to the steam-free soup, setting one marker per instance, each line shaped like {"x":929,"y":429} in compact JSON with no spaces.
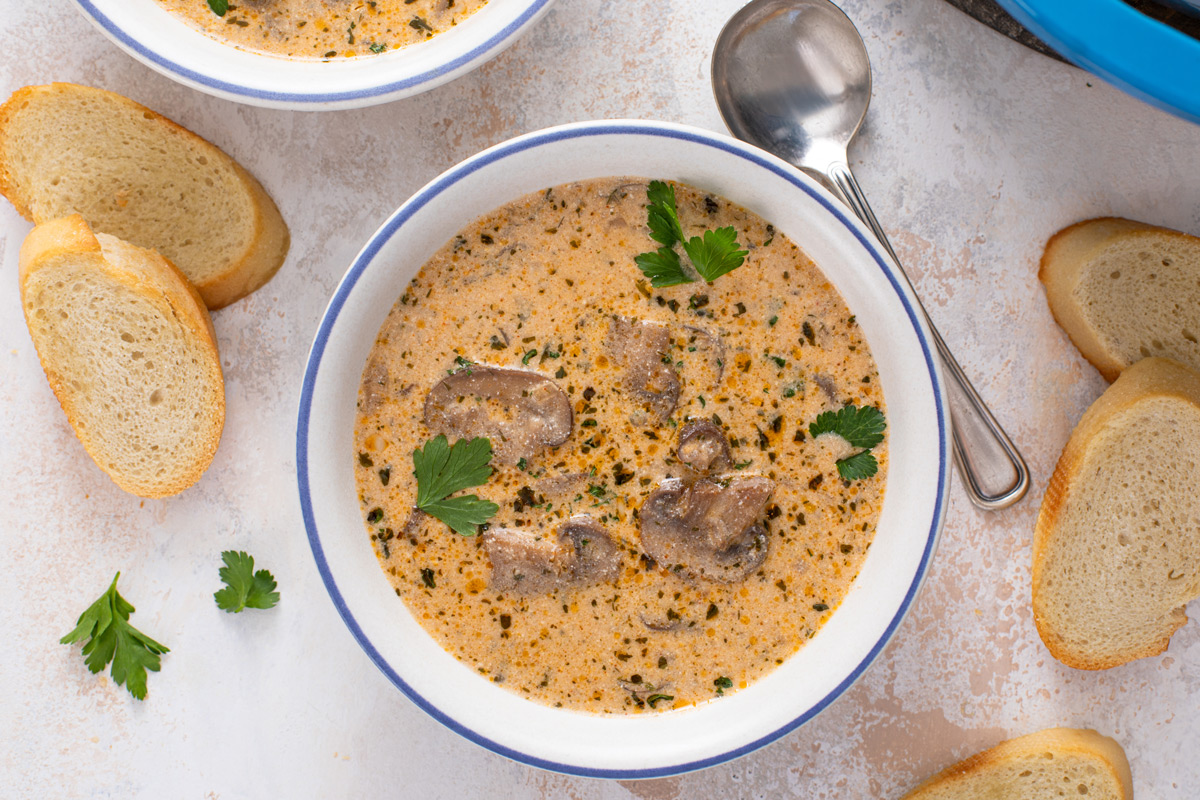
{"x":669,"y":530}
{"x":323,"y":28}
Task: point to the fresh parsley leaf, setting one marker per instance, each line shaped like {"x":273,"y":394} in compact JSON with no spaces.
{"x":717,"y":253}
{"x":111,"y":638}
{"x":661,"y":215}
{"x":663,"y":268}
{"x":244,"y":588}
{"x":858,"y":466}
{"x":860,"y":427}
{"x":463,"y":514}
{"x":219,"y":7}
{"x":443,"y":469}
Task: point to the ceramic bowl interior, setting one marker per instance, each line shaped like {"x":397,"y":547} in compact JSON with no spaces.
{"x":148,"y":32}
{"x":649,"y":744}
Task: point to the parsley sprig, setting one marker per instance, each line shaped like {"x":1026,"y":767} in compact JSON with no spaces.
{"x":105,"y":624}
{"x":244,"y":588}
{"x":713,"y":254}
{"x":443,"y":469}
{"x":219,"y":7}
{"x":860,"y":427}
{"x":662,"y":215}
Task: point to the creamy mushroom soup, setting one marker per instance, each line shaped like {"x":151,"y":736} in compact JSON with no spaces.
{"x":323,"y":28}
{"x":669,"y":528}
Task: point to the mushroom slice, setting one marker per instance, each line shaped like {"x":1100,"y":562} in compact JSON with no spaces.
{"x":374,"y":385}
{"x":530,"y":562}
{"x":521,"y":412}
{"x":705,"y":530}
{"x":704,"y":364}
{"x":643,"y":351}
{"x":827,"y":386}
{"x":703,"y":447}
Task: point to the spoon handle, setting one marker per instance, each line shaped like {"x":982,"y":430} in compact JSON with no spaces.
{"x":993,"y":472}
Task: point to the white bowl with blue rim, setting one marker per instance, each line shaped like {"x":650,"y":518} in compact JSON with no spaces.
{"x":649,"y":744}
{"x":166,"y":43}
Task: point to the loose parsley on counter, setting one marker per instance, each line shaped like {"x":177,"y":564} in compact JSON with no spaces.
{"x":111,"y":638}
{"x":244,"y":588}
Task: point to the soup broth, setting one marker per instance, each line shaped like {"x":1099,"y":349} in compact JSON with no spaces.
{"x":544,"y":294}
{"x":325,"y":28}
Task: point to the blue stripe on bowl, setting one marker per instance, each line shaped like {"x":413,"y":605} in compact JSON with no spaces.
{"x":456,"y":174}
{"x":140,"y":49}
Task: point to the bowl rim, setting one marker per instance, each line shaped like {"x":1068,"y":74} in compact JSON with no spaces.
{"x":441,"y":183}
{"x":369,"y":94}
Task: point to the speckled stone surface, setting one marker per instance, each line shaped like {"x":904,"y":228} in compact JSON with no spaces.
{"x":974,"y":152}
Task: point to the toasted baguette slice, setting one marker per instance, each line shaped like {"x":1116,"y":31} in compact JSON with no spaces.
{"x":1124,"y":291}
{"x":1116,"y":550}
{"x":129,"y":350}
{"x":1047,"y":765}
{"x":131,"y":173}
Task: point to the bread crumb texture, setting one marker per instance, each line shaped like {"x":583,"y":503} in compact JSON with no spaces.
{"x":128,"y":349}
{"x":1116,"y":553}
{"x":1050,"y":764}
{"x":132,"y":173}
{"x":1124,"y":291}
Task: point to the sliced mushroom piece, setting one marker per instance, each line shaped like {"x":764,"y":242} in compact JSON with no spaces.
{"x":704,"y":364}
{"x":643,"y":351}
{"x":703,"y":447}
{"x":530,"y":562}
{"x":826,"y":385}
{"x":663,"y":624}
{"x":705,"y":530}
{"x":521,"y":412}
{"x":373,"y":389}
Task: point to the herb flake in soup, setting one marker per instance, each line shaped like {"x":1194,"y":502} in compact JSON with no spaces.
{"x":679,"y":483}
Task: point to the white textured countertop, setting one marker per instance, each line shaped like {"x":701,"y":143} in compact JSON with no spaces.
{"x":974,"y":152}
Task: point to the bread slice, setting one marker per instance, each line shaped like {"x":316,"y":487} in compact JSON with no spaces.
{"x":1124,"y":291}
{"x":1116,"y":549}
{"x":129,"y":351}
{"x":131,"y":173}
{"x":1047,"y":765}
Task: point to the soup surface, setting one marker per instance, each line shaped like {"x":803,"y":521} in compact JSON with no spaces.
{"x":324,"y":28}
{"x":669,"y":529}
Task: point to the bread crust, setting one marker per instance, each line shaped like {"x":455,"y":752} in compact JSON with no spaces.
{"x":1067,"y":253}
{"x":1147,"y":379}
{"x":156,"y":279}
{"x":1067,"y":741}
{"x":263,"y":254}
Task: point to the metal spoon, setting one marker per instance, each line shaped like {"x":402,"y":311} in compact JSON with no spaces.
{"x":793,"y":77}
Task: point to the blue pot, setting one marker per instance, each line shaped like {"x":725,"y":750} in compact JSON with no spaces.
{"x":1139,"y":54}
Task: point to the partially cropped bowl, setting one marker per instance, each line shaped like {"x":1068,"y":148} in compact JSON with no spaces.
{"x":653,"y":744}
{"x":164,"y":42}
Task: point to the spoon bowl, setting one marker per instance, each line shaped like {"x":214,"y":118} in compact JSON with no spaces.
{"x":800,"y":83}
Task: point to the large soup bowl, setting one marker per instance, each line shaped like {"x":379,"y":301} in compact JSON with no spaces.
{"x":164,"y":42}
{"x":655,"y":743}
